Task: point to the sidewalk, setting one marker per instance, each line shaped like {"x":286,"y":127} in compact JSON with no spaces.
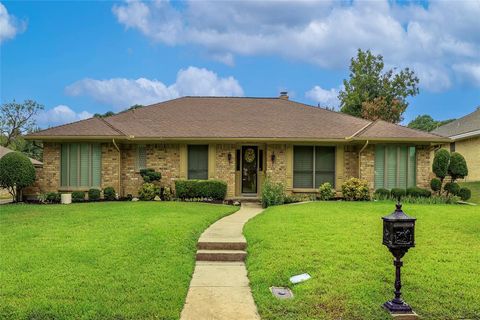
{"x":219,"y":289}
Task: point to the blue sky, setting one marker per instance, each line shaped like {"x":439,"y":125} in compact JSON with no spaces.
{"x":78,"y":58}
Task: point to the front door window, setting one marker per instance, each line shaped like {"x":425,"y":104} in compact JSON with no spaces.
{"x":249,"y":169}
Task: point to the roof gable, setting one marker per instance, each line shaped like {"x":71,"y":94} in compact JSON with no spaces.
{"x":380,"y":129}
{"x":466,"y":124}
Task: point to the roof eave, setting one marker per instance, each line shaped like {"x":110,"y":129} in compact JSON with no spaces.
{"x":54,"y":138}
{"x":417,"y":140}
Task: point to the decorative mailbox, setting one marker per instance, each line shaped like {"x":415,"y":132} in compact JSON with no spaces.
{"x":398,"y":237}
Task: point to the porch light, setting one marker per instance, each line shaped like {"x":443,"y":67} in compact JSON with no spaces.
{"x":398,"y":236}
{"x":273,"y":158}
{"x":229,"y":157}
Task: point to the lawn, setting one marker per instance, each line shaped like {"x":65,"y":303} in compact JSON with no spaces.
{"x":117,"y":260}
{"x":475,"y":188}
{"x":339,"y":245}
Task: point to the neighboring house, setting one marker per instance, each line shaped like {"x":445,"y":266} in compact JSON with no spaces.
{"x":237,"y":140}
{"x":38,"y":169}
{"x":465,"y":133}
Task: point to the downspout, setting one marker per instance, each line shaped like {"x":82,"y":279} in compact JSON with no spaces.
{"x":359,"y":158}
{"x":119,"y":166}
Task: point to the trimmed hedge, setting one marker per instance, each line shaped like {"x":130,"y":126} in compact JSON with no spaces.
{"x":53,"y":197}
{"x":213,"y":189}
{"x":382,"y":193}
{"x":452,"y":188}
{"x":436,"y":184}
{"x":355,"y":189}
{"x":418,"y":192}
{"x":78,"y":196}
{"x":148,"y":191}
{"x":464,"y":194}
{"x":458,"y":166}
{"x":109,"y":194}
{"x":398,"y":193}
{"x":93,"y":194}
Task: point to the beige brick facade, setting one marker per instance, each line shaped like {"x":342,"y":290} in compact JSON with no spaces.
{"x":120,"y":170}
{"x":225,"y":169}
{"x":367,"y":165}
{"x":424,"y":170}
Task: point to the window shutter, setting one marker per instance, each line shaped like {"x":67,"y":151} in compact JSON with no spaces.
{"x":64,"y":165}
{"x":84,"y":165}
{"x":96,"y":165}
{"x":379,"y":166}
{"x":391,"y":167}
{"x":412,"y":167}
{"x":324,"y":165}
{"x":73,"y":165}
{"x":402,"y":167}
{"x":303,"y":167}
{"x":198,"y":162}
{"x":141,"y":157}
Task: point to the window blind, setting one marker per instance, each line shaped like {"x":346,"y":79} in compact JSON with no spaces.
{"x":80,"y":165}
{"x":313,"y":166}
{"x":198,"y":162}
{"x":395,"y":166}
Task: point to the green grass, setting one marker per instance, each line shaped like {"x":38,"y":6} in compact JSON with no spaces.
{"x":117,"y":260}
{"x":339,"y":245}
{"x":475,"y":188}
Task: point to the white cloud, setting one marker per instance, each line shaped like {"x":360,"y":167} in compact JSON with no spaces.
{"x":324,"y":97}
{"x":122,"y":93}
{"x":469,"y":72}
{"x":61,"y":114}
{"x":325,"y":33}
{"x":9,"y":25}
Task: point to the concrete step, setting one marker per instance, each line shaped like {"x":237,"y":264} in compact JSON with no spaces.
{"x":221,"y":255}
{"x":217,"y":245}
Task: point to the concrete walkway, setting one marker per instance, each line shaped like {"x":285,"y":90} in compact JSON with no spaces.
{"x":219,"y":289}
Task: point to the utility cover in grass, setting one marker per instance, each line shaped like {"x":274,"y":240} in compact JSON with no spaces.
{"x":281,"y":292}
{"x":300,"y":278}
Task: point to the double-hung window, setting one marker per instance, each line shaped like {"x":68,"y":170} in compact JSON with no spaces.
{"x":198,"y":162}
{"x":313,"y":166}
{"x":395,"y":166}
{"x":141,"y":157}
{"x":80,"y":165}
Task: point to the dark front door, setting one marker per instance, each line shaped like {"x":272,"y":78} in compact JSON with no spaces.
{"x":249,"y":169}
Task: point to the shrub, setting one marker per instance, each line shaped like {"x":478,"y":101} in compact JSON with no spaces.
{"x":326,"y":191}
{"x":78,"y":196}
{"x":436,"y":184}
{"x":294,"y":198}
{"x":417,"y":192}
{"x":16,"y":173}
{"x":382,"y":194}
{"x":93,"y":194}
{"x":398,"y":193}
{"x":53,"y":197}
{"x":212,"y":189}
{"x":167,"y":194}
{"x":149,"y":175}
{"x":272,"y":193}
{"x":355,"y":189}
{"x":458,"y":166}
{"x":109,"y":194}
{"x":148,"y":191}
{"x":436,"y":199}
{"x":464,"y":194}
{"x":452,"y":188}
{"x":440,"y":164}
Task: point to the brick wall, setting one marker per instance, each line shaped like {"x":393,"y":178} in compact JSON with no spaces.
{"x":48,"y":179}
{"x":110,"y":167}
{"x":367,"y":166}
{"x":131,"y":179}
{"x":350,"y":162}
{"x":277,"y":171}
{"x":424,"y":169}
{"x":225,"y":170}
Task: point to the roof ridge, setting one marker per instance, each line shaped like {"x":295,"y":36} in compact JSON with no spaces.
{"x":112,"y":126}
{"x":64,"y":125}
{"x":363,"y":129}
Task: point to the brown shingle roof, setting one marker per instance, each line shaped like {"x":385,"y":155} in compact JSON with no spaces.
{"x":92,"y":127}
{"x":229,"y":117}
{"x":385,"y":130}
{"x":466,"y":124}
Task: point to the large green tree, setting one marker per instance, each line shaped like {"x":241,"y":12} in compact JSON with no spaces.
{"x":373,"y":93}
{"x":427,"y":123}
{"x":17,"y":119}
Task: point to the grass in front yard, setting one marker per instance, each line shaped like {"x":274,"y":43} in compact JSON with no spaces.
{"x":340,"y":245}
{"x":475,"y":188}
{"x":111,"y":260}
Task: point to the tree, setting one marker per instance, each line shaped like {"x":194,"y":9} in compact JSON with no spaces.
{"x":382,"y":93}
{"x":17,"y":119}
{"x":457,"y":169}
{"x":16,"y":173}
{"x":441,"y":162}
{"x":427,"y":123}
{"x":103,"y":115}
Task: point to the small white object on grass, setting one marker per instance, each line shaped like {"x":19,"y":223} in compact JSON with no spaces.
{"x":300,"y":278}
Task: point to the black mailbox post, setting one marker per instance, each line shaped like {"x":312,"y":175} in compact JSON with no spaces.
{"x":398,"y":236}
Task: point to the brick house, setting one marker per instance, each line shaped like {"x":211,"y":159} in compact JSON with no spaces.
{"x":237,"y":140}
